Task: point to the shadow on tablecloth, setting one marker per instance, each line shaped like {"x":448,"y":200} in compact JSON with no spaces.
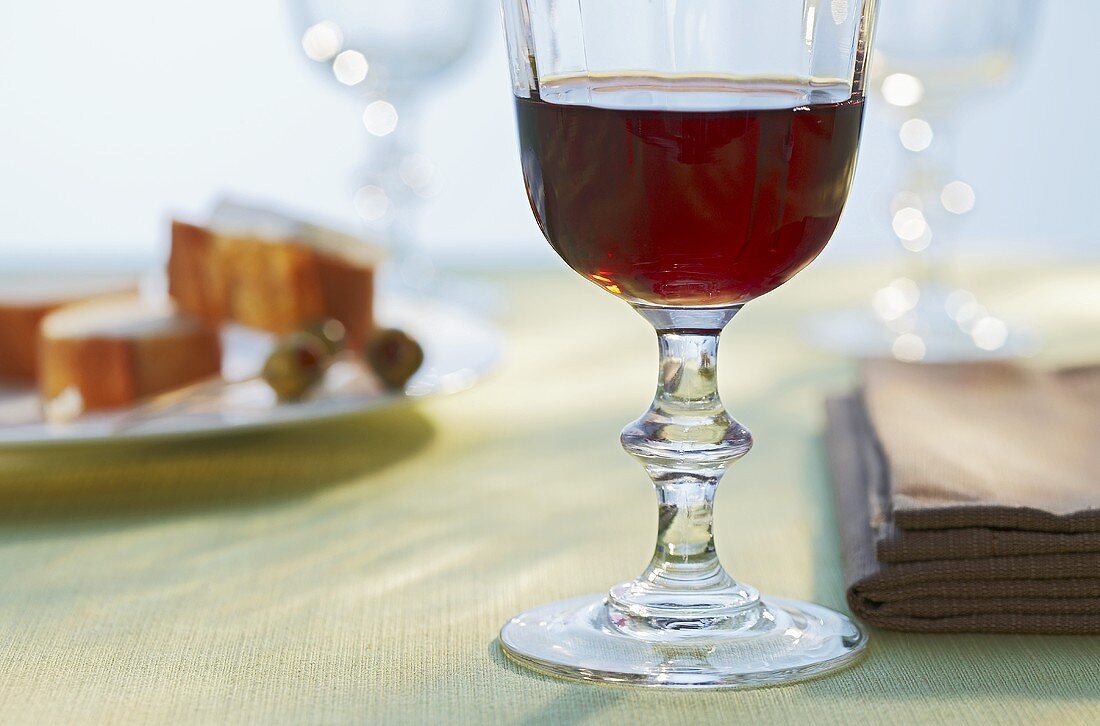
{"x":166,"y":479}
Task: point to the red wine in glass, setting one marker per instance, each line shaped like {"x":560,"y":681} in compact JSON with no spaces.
{"x":688,"y":191}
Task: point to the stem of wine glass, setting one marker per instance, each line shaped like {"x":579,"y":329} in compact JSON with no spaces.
{"x":928,"y":174}
{"x":388,"y":153}
{"x":685,"y":441}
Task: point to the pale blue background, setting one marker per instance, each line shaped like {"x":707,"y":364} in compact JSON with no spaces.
{"x":113,"y":114}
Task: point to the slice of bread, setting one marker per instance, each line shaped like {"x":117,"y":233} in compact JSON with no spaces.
{"x":25,"y":302}
{"x":271,"y":272}
{"x":113,"y":351}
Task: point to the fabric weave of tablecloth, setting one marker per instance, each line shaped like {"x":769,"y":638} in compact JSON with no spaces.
{"x":358,"y":572}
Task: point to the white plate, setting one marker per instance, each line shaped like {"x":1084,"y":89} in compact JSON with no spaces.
{"x":459,"y":348}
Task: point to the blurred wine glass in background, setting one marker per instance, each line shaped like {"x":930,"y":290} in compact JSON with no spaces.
{"x":933,"y":60}
{"x":385,"y":52}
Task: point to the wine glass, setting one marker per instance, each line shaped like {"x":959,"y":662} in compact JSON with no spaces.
{"x":934,"y":58}
{"x":687,"y":157}
{"x":387,"y":52}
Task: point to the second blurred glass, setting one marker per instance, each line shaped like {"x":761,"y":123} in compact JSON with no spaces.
{"x":385,"y":52}
{"x":933,"y":59}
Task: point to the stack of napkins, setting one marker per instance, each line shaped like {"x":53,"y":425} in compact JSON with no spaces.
{"x":969,"y":497}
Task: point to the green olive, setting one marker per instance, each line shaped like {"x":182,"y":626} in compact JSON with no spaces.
{"x":394,"y":356}
{"x":295,"y":366}
{"x":331,"y":333}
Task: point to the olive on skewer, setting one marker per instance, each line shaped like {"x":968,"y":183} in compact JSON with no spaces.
{"x":394,"y":356}
{"x":296,"y":365}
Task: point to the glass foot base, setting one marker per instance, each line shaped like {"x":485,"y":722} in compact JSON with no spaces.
{"x":777,"y":641}
{"x":857,"y":332}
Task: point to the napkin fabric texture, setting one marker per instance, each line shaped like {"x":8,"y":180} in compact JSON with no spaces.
{"x":969,"y":497}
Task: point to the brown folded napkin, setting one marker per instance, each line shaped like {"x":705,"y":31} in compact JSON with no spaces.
{"x":969,"y":497}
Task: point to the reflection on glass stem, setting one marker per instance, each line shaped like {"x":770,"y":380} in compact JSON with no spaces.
{"x":685,"y":441}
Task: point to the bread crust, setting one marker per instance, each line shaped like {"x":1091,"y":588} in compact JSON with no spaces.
{"x":116,"y":368}
{"x":18,"y":334}
{"x":274,"y":285}
{"x":21,"y":316}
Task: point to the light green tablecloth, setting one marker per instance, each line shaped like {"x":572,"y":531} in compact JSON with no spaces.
{"x":359,"y":571}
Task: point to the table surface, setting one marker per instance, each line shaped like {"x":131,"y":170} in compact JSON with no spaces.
{"x":358,"y":571}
